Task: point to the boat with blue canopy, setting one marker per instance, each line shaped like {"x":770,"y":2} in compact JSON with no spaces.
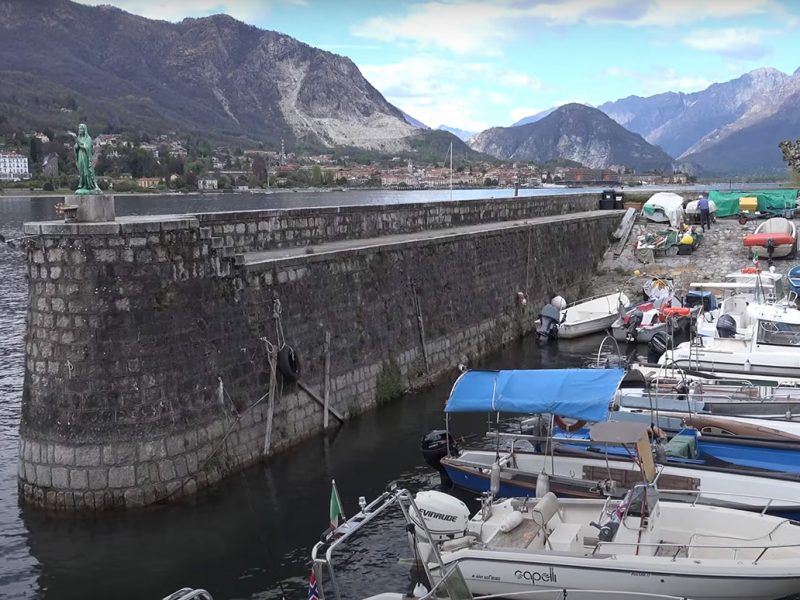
{"x":550,"y":454}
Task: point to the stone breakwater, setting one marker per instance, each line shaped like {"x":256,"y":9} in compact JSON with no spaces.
{"x":146,"y":370}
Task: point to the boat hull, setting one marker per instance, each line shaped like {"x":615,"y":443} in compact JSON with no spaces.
{"x":569,"y":331}
{"x":503,"y":572}
{"x":577,"y":476}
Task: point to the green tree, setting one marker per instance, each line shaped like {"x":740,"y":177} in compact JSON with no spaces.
{"x":316,"y":176}
{"x":35,"y":153}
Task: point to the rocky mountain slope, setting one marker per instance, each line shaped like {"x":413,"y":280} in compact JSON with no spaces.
{"x":727,"y":119}
{"x":578,"y":133}
{"x":62,"y":62}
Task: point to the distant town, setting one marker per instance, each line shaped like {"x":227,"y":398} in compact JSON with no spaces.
{"x":43,"y":161}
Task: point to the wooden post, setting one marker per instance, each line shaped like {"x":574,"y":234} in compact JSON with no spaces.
{"x":327,"y":394}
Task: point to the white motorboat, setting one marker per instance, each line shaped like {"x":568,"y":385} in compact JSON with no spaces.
{"x":640,"y":544}
{"x":588,"y":316}
{"x":772,"y":349}
{"x":745,"y":287}
{"x":451,"y":585}
{"x":774,"y":238}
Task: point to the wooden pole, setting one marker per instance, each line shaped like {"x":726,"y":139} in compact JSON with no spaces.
{"x":327,"y":394}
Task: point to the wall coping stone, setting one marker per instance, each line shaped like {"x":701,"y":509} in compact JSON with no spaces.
{"x":258,"y":261}
{"x":355,"y":208}
{"x":134,"y":224}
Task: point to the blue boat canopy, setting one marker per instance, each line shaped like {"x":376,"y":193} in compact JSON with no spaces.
{"x":574,"y":393}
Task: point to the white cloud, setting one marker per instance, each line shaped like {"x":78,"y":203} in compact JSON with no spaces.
{"x":435,"y":90}
{"x":461,"y":27}
{"x":466,"y":26}
{"x":735,"y":42}
{"x":249,"y":11}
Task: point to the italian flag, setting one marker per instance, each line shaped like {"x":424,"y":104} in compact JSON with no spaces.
{"x":336,"y":512}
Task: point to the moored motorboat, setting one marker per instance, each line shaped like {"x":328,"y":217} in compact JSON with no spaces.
{"x":773,"y":348}
{"x":585,"y":317}
{"x":641,"y":543}
{"x":528,"y":464}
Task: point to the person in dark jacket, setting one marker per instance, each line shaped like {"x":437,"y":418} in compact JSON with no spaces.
{"x":705,"y":214}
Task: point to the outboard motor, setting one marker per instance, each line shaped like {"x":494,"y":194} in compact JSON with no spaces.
{"x":445,"y":517}
{"x":634,"y":320}
{"x":435,"y":446}
{"x":548,"y":322}
{"x":726,"y":326}
{"x":659,"y":343}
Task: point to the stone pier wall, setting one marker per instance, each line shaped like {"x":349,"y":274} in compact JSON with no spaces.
{"x":146,"y":369}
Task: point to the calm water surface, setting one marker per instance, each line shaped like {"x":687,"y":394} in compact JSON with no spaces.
{"x":251,"y":536}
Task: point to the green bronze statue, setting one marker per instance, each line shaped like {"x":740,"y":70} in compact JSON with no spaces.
{"x":84,"y":158}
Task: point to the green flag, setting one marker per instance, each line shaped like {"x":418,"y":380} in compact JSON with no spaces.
{"x":336,"y":512}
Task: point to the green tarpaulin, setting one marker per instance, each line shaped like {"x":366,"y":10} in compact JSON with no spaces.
{"x":770,"y":200}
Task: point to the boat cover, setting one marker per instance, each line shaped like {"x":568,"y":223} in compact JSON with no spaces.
{"x":575,"y":393}
{"x":665,"y":204}
{"x":768,"y":201}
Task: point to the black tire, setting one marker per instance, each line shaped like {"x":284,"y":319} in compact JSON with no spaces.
{"x":289,"y":364}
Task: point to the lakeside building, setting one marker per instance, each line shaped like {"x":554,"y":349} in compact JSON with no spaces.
{"x":13,"y":167}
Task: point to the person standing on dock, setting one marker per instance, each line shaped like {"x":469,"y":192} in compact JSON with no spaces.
{"x":705,"y":214}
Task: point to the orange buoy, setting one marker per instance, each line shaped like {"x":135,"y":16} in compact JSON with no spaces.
{"x":676,"y":311}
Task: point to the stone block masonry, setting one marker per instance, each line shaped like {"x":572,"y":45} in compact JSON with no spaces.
{"x":146,"y":374}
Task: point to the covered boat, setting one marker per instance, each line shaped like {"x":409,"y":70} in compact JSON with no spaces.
{"x":774,"y":238}
{"x":529,"y":465}
{"x":664,"y":207}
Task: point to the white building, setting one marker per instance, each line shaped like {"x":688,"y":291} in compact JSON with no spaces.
{"x":13,"y":167}
{"x":207,"y":184}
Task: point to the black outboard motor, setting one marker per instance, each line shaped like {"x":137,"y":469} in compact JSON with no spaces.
{"x":549,"y":317}
{"x":634,"y":320}
{"x":435,"y":447}
{"x":726,"y":326}
{"x":659,"y":343}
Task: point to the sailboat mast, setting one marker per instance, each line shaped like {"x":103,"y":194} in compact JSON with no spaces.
{"x":451,"y":170}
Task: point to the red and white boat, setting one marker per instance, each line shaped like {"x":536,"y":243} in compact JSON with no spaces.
{"x":774,"y":238}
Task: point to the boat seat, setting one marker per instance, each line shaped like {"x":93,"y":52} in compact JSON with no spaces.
{"x":542,"y":513}
{"x":565,"y":537}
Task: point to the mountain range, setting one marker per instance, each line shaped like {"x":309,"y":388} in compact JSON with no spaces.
{"x":215,"y":77}
{"x":728,"y":128}
{"x":578,"y":133}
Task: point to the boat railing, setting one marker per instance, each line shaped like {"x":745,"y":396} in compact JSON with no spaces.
{"x":189,"y":594}
{"x":334,"y":538}
{"x":699,"y":494}
{"x":681,"y":547}
{"x":596,"y":297}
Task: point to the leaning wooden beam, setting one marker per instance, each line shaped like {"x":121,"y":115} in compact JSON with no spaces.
{"x":320,"y":401}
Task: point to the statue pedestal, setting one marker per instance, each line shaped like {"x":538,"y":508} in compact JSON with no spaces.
{"x":92,"y":208}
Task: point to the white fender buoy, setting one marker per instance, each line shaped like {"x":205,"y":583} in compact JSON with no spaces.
{"x":494,"y":480}
{"x":559,"y":302}
{"x":542,"y":485}
{"x":511,"y":522}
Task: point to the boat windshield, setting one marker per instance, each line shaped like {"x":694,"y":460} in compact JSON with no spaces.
{"x":775,"y":333}
{"x":452,"y":586}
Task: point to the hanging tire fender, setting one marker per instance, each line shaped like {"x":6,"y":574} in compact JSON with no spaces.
{"x":289,"y":364}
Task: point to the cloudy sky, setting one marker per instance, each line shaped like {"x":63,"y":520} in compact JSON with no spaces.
{"x":473,"y":64}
